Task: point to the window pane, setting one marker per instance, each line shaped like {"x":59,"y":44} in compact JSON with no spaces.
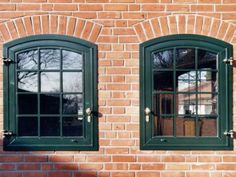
{"x":186,"y":125}
{"x":50,"y":82}
{"x":27,"y":104}
{"x":27,"y":81}
{"x":28,"y":60}
{"x":163,"y":104}
{"x":72,"y":126}
{"x":208,"y":126}
{"x":186,"y":81}
{"x":163,"y":81}
{"x":72,"y":82}
{"x":207,"y":104}
{"x":50,"y":59}
{"x":185,"y":58}
{"x":49,"y":104}
{"x":27,"y":126}
{"x":73,"y":104}
{"x":72,"y":60}
{"x":163,"y":126}
{"x":206,"y":59}
{"x":207,"y":81}
{"x":186,"y":104}
{"x":50,"y":126}
{"x":163,"y":59}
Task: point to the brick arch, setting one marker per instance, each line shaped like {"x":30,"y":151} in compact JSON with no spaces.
{"x":185,"y":24}
{"x":49,"y":24}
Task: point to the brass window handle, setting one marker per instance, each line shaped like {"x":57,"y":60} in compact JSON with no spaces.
{"x":89,"y":114}
{"x":147,"y":112}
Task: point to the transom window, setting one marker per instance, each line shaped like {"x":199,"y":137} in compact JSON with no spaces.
{"x":51,"y":88}
{"x":184,"y":82}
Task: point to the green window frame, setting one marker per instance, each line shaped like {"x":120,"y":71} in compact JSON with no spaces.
{"x":162,"y":127}
{"x":56,"y":77}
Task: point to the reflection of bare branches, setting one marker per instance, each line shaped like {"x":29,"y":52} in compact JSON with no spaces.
{"x":163,"y":59}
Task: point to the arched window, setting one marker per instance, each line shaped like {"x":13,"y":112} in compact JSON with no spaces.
{"x":50,"y":95}
{"x":186,"y":93}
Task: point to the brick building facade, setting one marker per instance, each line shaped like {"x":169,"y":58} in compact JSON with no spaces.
{"x":117,"y":27}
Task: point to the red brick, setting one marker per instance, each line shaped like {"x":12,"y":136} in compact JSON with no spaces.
{"x":57,"y":158}
{"x":123,"y":174}
{"x":59,"y":174}
{"x":90,"y":7}
{"x":10,"y":174}
{"x":148,"y":174}
{"x":85,"y":174}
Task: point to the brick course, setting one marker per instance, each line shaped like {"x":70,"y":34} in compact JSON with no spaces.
{"x":117,"y":27}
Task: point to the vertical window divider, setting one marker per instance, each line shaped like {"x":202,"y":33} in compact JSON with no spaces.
{"x":39,"y":91}
{"x":61,"y":90}
{"x":197,"y":72}
{"x":175,"y":92}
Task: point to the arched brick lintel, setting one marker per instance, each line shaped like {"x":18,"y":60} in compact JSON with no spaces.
{"x":185,"y":24}
{"x":49,"y":24}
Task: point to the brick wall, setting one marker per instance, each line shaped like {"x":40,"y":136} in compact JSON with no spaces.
{"x":118,"y":27}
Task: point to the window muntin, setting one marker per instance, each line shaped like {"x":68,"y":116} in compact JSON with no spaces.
{"x":55,"y":81}
{"x":181,"y":82}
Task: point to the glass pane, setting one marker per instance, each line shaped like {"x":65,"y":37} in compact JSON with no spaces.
{"x":49,"y":104}
{"x":72,"y":82}
{"x":27,"y":81}
{"x":50,"y":82}
{"x":27,"y":126}
{"x":186,"y":104}
{"x":163,"y":104}
{"x":163,"y":81}
{"x":50,"y":59}
{"x":208,"y":126}
{"x":207,"y":81}
{"x":163,"y":59}
{"x":185,"y":58}
{"x":27,"y":104}
{"x":186,"y":81}
{"x":72,"y":60}
{"x":207,"y":104}
{"x":185,"y":125}
{"x":206,"y":59}
{"x":50,"y":126}
{"x":28,"y":60}
{"x":72,"y":126}
{"x":72,"y":104}
{"x":163,"y":126}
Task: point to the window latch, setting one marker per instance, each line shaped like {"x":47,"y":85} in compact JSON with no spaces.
{"x":7,"y":61}
{"x":89,"y":114}
{"x":7,"y":133}
{"x":147,"y":112}
{"x":229,"y":133}
{"x":228,"y":61}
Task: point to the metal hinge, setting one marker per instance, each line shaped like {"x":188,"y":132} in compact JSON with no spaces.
{"x":7,"y":61}
{"x":7,"y":133}
{"x":229,"y":133}
{"x":228,"y":60}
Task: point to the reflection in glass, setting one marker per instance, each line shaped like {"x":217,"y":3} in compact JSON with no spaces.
{"x":185,"y":58}
{"x":163,"y":81}
{"x":50,"y":59}
{"x":50,"y":82}
{"x":28,"y":60}
{"x":207,"y":104}
{"x":186,"y":104}
{"x":208,"y":126}
{"x":72,"y":60}
{"x":206,"y":59}
{"x":72,"y":104}
{"x":27,"y":126}
{"x":49,"y":104}
{"x":186,"y":81}
{"x":27,"y":104}
{"x":163,"y":59}
{"x":163,"y":126}
{"x":207,"y":81}
{"x":163,"y":104}
{"x":186,"y":125}
{"x":72,"y":126}
{"x":27,"y":81}
{"x":49,"y":126}
{"x":72,"y":82}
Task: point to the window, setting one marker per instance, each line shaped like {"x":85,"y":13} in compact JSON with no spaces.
{"x":50,"y":94}
{"x":186,"y":93}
